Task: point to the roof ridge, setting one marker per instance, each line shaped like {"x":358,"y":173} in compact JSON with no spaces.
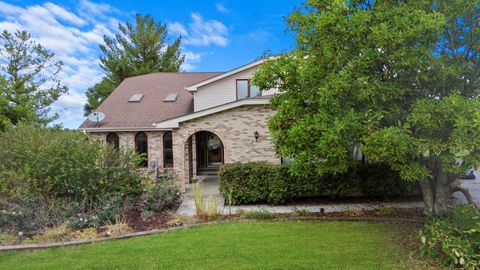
{"x":179,"y":73}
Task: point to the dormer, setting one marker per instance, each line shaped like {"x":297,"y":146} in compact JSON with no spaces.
{"x":227,"y":87}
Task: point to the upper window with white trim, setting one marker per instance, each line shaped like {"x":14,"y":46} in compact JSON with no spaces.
{"x":245,"y":89}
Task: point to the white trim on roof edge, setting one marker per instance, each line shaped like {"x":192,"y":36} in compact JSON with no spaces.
{"x":174,"y":122}
{"x":194,"y":87}
{"x":119,"y":129}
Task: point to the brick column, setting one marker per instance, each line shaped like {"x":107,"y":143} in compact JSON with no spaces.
{"x":155,"y":149}
{"x":179,"y":157}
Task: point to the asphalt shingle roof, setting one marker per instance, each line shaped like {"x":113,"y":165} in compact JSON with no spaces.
{"x":120,"y":113}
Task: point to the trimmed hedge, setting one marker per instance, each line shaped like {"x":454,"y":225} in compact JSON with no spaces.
{"x":252,"y":182}
{"x":255,"y":182}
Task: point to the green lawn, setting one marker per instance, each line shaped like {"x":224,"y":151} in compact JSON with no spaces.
{"x":239,"y":245}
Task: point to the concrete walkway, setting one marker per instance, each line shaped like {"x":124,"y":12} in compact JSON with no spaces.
{"x":210,"y":192}
{"x":474,"y":188}
{"x":210,"y":187}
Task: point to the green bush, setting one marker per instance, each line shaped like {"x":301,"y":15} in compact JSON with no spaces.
{"x":64,"y":164}
{"x":50,"y":176}
{"x":255,"y":182}
{"x":454,"y":237}
{"x":161,"y":195}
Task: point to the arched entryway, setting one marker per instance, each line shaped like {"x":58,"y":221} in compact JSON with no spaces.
{"x":209,"y":152}
{"x":204,"y":154}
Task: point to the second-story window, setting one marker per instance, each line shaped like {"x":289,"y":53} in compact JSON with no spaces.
{"x":245,"y":89}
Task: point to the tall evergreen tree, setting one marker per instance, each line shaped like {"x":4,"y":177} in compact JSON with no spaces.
{"x":29,"y":81}
{"x":137,"y":49}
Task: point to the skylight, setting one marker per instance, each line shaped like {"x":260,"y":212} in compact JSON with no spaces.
{"x":171,"y":97}
{"x":136,"y":98}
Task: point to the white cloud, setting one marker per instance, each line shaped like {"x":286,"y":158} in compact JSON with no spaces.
{"x":187,"y":67}
{"x":201,"y":32}
{"x":261,"y":36}
{"x":177,"y":28}
{"x":10,"y":26}
{"x":93,"y":12}
{"x":190,"y":59}
{"x":64,"y":14}
{"x":190,"y":56}
{"x":73,"y":34}
{"x":221,"y":8}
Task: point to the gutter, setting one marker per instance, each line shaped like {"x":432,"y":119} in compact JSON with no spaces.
{"x":119,"y":129}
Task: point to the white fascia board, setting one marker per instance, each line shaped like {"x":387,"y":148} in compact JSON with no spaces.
{"x":175,"y":122}
{"x":194,"y":87}
{"x":121,"y":129}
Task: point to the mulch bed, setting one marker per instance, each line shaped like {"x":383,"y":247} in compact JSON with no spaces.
{"x":163,"y":221}
{"x":137,"y":223}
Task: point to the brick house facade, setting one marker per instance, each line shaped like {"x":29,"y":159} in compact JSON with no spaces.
{"x":211,"y":118}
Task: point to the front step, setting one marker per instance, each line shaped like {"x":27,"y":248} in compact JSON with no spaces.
{"x":208,"y":171}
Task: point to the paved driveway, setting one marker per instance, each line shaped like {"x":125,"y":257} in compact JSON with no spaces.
{"x":474,"y":188}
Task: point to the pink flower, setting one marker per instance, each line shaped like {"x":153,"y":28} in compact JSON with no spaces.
{"x":14,"y":213}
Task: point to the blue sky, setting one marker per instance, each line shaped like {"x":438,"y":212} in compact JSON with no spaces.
{"x":217,"y":35}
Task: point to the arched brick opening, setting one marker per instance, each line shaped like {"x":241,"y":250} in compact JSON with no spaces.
{"x":204,"y":153}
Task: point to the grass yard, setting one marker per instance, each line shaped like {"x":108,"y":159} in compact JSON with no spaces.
{"x":238,"y":245}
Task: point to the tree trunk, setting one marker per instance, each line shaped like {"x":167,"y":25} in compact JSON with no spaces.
{"x":442,"y":192}
{"x":436,"y":191}
{"x":428,"y":195}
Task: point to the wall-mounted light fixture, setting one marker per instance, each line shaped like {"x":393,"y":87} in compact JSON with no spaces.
{"x":256,"y":136}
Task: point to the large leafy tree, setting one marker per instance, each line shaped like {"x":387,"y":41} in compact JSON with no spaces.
{"x":397,"y":78}
{"x":29,"y":81}
{"x":137,"y":49}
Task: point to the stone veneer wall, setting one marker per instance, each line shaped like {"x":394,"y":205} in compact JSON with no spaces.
{"x":127,"y":140}
{"x":236,"y":129}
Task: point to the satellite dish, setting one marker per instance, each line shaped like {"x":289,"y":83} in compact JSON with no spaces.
{"x":96,"y":117}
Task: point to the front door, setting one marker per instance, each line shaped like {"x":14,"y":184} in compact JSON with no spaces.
{"x":209,"y":150}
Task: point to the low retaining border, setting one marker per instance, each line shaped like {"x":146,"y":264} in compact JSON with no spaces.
{"x":187,"y":226}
